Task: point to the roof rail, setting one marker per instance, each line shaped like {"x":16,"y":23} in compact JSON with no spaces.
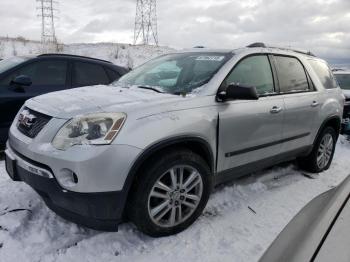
{"x":77,"y":56}
{"x":304,"y":52}
{"x":259,"y":44}
{"x":199,"y":46}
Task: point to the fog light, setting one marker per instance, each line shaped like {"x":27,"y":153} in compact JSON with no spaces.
{"x":67,"y":178}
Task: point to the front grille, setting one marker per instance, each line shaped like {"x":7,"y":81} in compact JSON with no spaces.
{"x":30,"y":122}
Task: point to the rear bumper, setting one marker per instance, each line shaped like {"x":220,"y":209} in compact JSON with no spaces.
{"x":100,"y":211}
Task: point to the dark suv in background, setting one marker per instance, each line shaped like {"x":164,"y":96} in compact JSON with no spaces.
{"x":24,"y":77}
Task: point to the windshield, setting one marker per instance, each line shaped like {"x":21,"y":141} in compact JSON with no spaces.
{"x":11,"y":62}
{"x":343,"y":80}
{"x":175,"y":73}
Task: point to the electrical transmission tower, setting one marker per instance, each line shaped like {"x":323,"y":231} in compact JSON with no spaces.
{"x":146,"y":31}
{"x":47,"y":9}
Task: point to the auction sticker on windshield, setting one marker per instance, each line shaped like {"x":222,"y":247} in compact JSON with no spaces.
{"x":210,"y":58}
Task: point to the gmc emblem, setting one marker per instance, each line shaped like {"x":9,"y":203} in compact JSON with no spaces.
{"x":26,"y":118}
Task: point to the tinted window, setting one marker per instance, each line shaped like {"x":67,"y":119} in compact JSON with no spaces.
{"x":291,"y":75}
{"x":324,"y":74}
{"x":113,"y":75}
{"x":253,"y":71}
{"x":48,"y":72}
{"x":86,"y":74}
{"x":343,"y":80}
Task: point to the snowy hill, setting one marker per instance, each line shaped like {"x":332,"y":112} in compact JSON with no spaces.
{"x":121,"y":54}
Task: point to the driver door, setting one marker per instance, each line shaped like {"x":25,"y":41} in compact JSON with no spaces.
{"x":250,"y":131}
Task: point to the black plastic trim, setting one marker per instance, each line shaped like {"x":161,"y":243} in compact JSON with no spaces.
{"x":325,"y":123}
{"x":99,"y":211}
{"x":246,"y":150}
{"x":236,"y":172}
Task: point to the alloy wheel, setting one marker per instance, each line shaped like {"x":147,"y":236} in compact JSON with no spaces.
{"x":175,"y":196}
{"x":325,"y":151}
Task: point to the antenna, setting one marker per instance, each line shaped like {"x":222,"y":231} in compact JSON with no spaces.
{"x":146,"y":30}
{"x":47,"y":9}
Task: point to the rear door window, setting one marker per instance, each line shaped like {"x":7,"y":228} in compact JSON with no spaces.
{"x":324,"y":73}
{"x":87,"y":74}
{"x":291,"y":75}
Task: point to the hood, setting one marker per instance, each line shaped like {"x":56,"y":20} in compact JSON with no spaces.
{"x":96,"y":99}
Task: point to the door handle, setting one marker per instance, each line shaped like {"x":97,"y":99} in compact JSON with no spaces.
{"x":275,"y":110}
{"x":314,"y":104}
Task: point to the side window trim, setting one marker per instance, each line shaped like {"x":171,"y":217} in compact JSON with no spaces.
{"x":69,"y":81}
{"x":309,"y":81}
{"x":247,"y":56}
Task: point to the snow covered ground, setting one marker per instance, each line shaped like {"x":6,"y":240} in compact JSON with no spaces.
{"x":121,"y":54}
{"x":239,"y":223}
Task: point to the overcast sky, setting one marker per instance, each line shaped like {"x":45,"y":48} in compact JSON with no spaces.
{"x":322,"y":26}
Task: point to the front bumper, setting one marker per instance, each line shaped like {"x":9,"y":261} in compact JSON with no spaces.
{"x":101,"y":168}
{"x":100,"y":211}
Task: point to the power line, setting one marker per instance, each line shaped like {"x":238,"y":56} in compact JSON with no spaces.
{"x":146,"y":31}
{"x":47,"y":10}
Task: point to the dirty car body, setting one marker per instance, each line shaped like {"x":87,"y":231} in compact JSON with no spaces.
{"x":91,"y":181}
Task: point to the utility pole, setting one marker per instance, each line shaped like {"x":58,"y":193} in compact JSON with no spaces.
{"x":146,"y":31}
{"x":47,"y":9}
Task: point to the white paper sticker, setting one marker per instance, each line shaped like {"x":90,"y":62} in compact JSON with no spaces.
{"x":210,"y":58}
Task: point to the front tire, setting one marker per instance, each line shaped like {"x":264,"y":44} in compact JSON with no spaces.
{"x":171,"y":193}
{"x":322,"y":153}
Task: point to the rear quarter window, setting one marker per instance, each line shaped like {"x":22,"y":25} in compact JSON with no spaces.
{"x":324,"y":73}
{"x":87,"y":74}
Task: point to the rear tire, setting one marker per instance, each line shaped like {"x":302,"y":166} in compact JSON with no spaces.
{"x":162,"y":203}
{"x":322,"y":153}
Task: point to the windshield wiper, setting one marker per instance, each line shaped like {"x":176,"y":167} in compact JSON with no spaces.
{"x":151,"y":88}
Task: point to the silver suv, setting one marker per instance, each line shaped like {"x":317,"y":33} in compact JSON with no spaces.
{"x":150,"y":147}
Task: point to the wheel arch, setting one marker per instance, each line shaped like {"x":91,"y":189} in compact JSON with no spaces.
{"x":332,"y":121}
{"x":196,"y":144}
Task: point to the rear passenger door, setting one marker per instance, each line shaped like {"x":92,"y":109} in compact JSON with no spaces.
{"x":88,"y":74}
{"x":301,"y":103}
{"x":250,"y":131}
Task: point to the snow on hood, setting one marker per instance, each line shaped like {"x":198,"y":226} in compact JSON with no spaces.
{"x":94,"y":99}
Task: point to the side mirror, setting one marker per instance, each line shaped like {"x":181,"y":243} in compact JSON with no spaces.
{"x":22,"y":81}
{"x":238,"y":92}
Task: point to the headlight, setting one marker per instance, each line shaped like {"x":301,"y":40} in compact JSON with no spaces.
{"x":94,"y":129}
